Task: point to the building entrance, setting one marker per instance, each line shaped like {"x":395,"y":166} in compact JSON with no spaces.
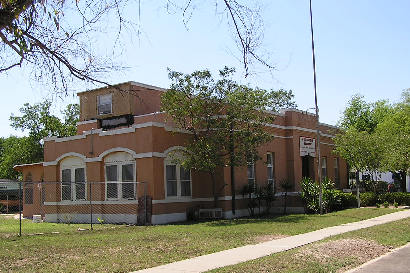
{"x":307,"y":167}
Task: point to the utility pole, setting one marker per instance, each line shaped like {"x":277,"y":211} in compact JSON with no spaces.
{"x":319,"y":167}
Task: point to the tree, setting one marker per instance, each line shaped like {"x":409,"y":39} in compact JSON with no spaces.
{"x":358,"y":148}
{"x":16,"y":150}
{"x":40,"y":123}
{"x":227,"y":121}
{"x":364,"y":116}
{"x":282,"y":99}
{"x":53,"y":37}
{"x":394,"y":134}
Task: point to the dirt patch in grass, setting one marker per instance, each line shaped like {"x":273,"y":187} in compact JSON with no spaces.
{"x":266,"y":238}
{"x":357,"y":249}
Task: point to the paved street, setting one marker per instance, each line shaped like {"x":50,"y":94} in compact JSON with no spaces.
{"x":397,"y":261}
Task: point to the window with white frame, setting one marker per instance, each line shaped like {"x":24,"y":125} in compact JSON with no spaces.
{"x":324,"y":167}
{"x":337,"y":173}
{"x":104,"y":104}
{"x":177,"y":180}
{"x":251,"y":174}
{"x":73,"y":182}
{"x":120,"y":176}
{"x":270,"y":168}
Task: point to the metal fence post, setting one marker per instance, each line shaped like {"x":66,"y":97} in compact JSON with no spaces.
{"x":91,"y":208}
{"x":145,"y":203}
{"x":20,"y":205}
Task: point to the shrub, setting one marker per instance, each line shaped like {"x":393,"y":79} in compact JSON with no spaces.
{"x":368,"y":199}
{"x":386,"y":204}
{"x":259,"y":196}
{"x":310,"y":195}
{"x":332,"y":199}
{"x":402,"y":198}
{"x":375,"y":186}
{"x":349,"y":200}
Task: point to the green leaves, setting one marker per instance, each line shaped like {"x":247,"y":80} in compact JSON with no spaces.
{"x":40,"y":123}
{"x":218,"y":113}
{"x":17,"y":150}
{"x":376,"y":135}
{"x":394,"y":134}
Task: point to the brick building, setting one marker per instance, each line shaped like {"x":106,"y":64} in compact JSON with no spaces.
{"x":123,"y":138}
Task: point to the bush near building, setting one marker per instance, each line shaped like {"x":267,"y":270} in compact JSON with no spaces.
{"x":372,"y":199}
{"x":333,"y":200}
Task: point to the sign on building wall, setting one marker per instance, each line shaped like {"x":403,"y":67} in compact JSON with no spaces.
{"x":307,"y":146}
{"x":117,"y":121}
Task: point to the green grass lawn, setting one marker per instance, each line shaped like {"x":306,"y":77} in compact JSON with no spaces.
{"x":334,"y":254}
{"x":111,"y":248}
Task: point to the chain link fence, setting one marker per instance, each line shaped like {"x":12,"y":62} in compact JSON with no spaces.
{"x":84,"y":203}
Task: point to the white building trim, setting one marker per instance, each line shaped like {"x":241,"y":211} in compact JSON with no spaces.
{"x":298,"y":128}
{"x":148,"y":86}
{"x":174,"y":148}
{"x":325,"y":143}
{"x":85,"y":218}
{"x":166,"y":127}
{"x":86,"y":122}
{"x":117,"y":149}
{"x":158,"y":219}
{"x":55,"y":162}
{"x":285,"y":137}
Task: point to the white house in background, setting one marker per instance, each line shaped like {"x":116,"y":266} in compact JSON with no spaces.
{"x":387,"y":177}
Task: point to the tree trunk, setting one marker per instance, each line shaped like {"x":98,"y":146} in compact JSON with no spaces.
{"x":214,"y":189}
{"x":403,"y":181}
{"x":232,"y":158}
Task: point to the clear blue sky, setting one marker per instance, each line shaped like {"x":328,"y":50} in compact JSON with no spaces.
{"x":361,"y":47}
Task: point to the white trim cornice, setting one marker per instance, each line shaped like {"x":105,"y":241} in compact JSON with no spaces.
{"x":86,"y":122}
{"x":55,"y":162}
{"x":103,"y":154}
{"x":148,"y":86}
{"x":167,"y":128}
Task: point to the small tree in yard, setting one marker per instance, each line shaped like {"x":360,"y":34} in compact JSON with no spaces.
{"x":226,"y":120}
{"x":394,"y":133}
{"x":359,"y":143}
{"x":356,"y":148}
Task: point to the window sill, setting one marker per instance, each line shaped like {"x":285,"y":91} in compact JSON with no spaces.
{"x":93,"y":202}
{"x":178,"y":198}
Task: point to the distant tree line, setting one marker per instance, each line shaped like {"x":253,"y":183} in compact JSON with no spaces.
{"x":376,"y":136}
{"x":39,"y":122}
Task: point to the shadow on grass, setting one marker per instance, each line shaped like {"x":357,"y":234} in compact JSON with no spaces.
{"x":295,"y":218}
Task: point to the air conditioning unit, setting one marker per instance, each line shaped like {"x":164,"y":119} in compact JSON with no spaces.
{"x":210,"y":213}
{"x":37,"y":218}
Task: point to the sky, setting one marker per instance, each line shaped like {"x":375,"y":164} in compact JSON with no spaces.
{"x":362,"y":47}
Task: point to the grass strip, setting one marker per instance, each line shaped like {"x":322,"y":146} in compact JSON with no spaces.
{"x":335,"y":254}
{"x":111,"y":248}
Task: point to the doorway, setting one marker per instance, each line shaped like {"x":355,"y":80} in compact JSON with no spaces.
{"x":307,"y":167}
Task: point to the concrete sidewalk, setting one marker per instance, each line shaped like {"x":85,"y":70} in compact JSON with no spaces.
{"x":250,"y":252}
{"x":397,"y":261}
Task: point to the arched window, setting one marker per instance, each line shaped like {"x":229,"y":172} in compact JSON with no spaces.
{"x":73,"y":179}
{"x":120,"y":176}
{"x":177,"y":178}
